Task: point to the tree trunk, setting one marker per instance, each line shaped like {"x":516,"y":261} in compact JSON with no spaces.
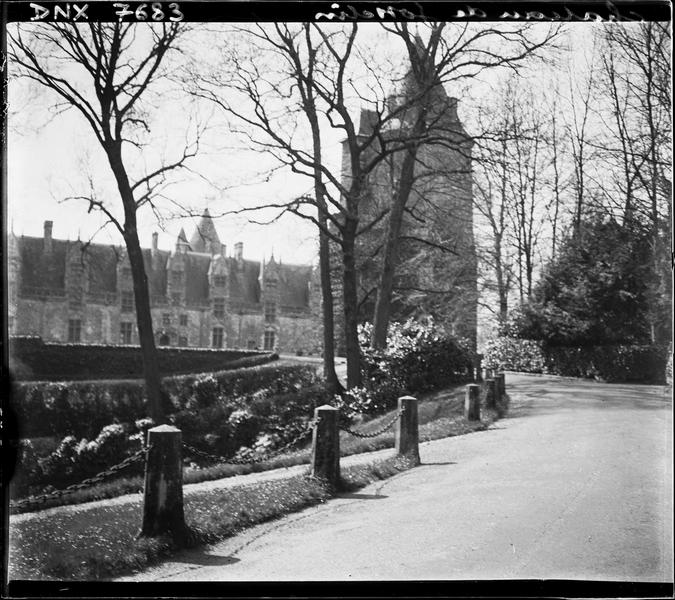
{"x":350,"y":297}
{"x":140,"y":280}
{"x":332,"y":383}
{"x":390,"y":258}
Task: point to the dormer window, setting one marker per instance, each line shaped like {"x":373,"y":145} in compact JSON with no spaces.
{"x":176,"y":278}
{"x":219,"y":281}
{"x":270,"y":312}
{"x":127,"y":301}
{"x":126,"y":272}
{"x":219,"y":308}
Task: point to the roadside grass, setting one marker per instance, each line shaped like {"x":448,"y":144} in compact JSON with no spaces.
{"x":440,"y":414}
{"x":102,"y":544}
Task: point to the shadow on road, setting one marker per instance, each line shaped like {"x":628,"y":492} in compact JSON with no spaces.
{"x":208,"y":560}
{"x":362,"y":496}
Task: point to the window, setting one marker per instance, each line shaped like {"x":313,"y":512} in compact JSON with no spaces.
{"x":166,"y":319}
{"x":269,"y":340}
{"x":74,"y":330}
{"x":219,"y":308}
{"x":127,"y":302}
{"x":217,"y":340}
{"x":164,"y":340}
{"x":176,"y":277}
{"x":126,"y":272}
{"x":251,"y":344}
{"x":182,"y":341}
{"x":219,"y":280}
{"x":175,"y":298}
{"x":125,"y":333}
{"x":183,"y":320}
{"x":270,"y":312}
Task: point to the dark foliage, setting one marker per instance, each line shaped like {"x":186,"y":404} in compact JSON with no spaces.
{"x":598,"y":291}
{"x":33,"y":360}
{"x":626,"y":363}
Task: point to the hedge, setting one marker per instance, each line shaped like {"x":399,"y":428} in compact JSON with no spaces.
{"x":619,"y":363}
{"x":225,"y":413}
{"x":82,"y":409}
{"x":31,"y":359}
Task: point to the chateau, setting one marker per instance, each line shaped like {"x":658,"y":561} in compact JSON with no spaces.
{"x":65,"y":291}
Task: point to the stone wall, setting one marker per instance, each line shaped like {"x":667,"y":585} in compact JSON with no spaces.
{"x":101,"y":323}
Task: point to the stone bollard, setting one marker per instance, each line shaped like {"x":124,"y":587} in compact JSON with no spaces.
{"x":491,"y":393}
{"x":163,"y":493}
{"x":407,"y":434}
{"x":501,"y":385}
{"x":326,"y":445}
{"x":472,"y":402}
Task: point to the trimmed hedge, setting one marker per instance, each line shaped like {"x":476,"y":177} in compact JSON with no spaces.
{"x":82,"y":409}
{"x":620,"y":363}
{"x":31,"y":359}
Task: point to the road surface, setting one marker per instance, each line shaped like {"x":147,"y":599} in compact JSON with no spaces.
{"x":576,"y":483}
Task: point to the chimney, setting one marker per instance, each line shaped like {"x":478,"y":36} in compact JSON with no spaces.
{"x":155,"y":236}
{"x":47,"y":244}
{"x":223,"y":250}
{"x":239,"y":251}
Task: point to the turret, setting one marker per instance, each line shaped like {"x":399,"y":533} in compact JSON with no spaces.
{"x":205,"y":238}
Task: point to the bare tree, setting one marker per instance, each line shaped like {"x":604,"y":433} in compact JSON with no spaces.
{"x":315,"y":76}
{"x":104,"y":71}
{"x":636,"y":78}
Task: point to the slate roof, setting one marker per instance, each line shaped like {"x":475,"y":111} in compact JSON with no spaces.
{"x":205,"y":232}
{"x":40,"y":269}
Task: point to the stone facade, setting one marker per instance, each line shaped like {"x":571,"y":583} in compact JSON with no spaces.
{"x":68,"y":291}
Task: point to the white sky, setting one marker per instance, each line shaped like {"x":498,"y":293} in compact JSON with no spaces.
{"x":46,"y":160}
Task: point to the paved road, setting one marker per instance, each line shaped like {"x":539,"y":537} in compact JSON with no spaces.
{"x":575,"y":484}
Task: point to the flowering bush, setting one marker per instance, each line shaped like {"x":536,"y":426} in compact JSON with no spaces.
{"x":418,"y":357}
{"x":514,"y":354}
{"x":73,"y":460}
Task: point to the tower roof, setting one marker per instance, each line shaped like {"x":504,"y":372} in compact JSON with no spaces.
{"x":182,"y":238}
{"x":204,"y":234}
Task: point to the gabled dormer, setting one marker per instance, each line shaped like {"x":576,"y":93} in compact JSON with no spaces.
{"x":175,"y":271}
{"x":76,"y":274}
{"x":219,"y":276}
{"x":269,"y":287}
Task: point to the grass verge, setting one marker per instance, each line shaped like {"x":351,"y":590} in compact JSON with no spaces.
{"x":101,"y":544}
